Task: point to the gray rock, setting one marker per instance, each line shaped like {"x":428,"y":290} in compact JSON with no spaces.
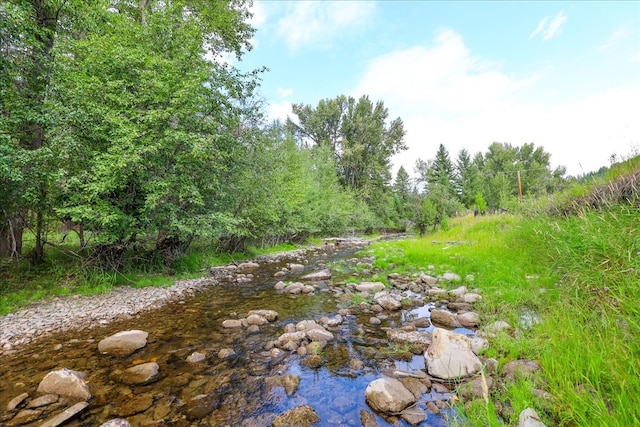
{"x":317,"y":276}
{"x":388,"y":302}
{"x":123,"y":343}
{"x":478,"y":388}
{"x":296,"y":268}
{"x":478,"y":344}
{"x":279,"y":286}
{"x":371,"y":287}
{"x":520,"y":369}
{"x":428,"y":280}
{"x":420,"y":340}
{"x":65,"y":415}
{"x":450,"y":277}
{"x":142,"y":374}
{"x":41,"y":401}
{"x":319,"y":335}
{"x":374,"y":320}
{"x":497,"y":327}
{"x":388,"y":395}
{"x":459,"y":291}
{"x":367,"y":419}
{"x":444,"y":318}
{"x":232,"y":324}
{"x":196,"y":357}
{"x":529,"y":418}
{"x":414,"y":416}
{"x":450,"y":357}
{"x":116,"y":422}
{"x":256,"y":319}
{"x":226,"y":353}
{"x":247,"y":266}
{"x":469,"y":319}
{"x":65,"y":382}
{"x":16,"y":401}
{"x":470,"y":298}
{"x":335,"y":321}
{"x":270,"y":315}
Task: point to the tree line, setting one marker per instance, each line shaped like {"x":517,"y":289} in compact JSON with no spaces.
{"x":123,"y":121}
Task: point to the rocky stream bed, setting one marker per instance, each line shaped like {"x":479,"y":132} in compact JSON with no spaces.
{"x":285,"y":340}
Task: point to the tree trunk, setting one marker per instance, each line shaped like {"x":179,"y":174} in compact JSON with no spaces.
{"x":11,"y":238}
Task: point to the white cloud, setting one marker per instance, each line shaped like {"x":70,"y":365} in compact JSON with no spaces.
{"x":445,"y":95}
{"x":539,"y":28}
{"x":285,"y":92}
{"x":279,"y":111}
{"x":616,"y":36}
{"x":553,"y":28}
{"x":319,"y":23}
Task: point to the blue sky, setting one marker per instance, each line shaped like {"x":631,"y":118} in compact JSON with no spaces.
{"x":563,"y":75}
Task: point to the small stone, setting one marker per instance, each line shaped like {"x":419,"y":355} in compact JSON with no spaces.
{"x":469,"y":319}
{"x":374,"y":321}
{"x":196,"y":357}
{"x":433,"y":408}
{"x":232,"y":324}
{"x":16,"y":401}
{"x":414,"y":416}
{"x":388,"y":395}
{"x":116,"y":422}
{"x":45,"y":400}
{"x":226,"y":353}
{"x":356,"y":364}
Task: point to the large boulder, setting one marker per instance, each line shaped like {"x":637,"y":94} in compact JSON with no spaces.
{"x":450,"y":357}
{"x":144,"y":373}
{"x":123,"y":343}
{"x":388,"y":395}
{"x":65,"y":382}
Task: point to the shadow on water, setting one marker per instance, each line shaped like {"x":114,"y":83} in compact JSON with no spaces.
{"x":228,"y":391}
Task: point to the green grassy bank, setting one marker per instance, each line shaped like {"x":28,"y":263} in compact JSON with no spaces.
{"x":579,"y":278}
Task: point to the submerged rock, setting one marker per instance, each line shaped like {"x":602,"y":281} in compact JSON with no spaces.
{"x":123,"y":343}
{"x":450,"y":357}
{"x":302,"y":416}
{"x":65,"y":415}
{"x":142,"y":374}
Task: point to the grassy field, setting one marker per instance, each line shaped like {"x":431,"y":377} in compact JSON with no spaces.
{"x":578,"y":278}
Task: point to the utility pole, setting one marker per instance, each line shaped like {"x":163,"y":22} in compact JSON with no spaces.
{"x":519,"y":187}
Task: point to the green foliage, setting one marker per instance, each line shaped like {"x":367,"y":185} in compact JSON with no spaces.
{"x":362,"y":143}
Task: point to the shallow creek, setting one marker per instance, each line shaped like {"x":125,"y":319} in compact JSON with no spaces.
{"x":236,"y":386}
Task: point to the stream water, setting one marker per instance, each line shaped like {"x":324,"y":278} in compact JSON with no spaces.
{"x":231,"y":392}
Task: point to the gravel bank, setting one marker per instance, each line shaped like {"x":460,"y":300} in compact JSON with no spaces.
{"x":77,"y":312}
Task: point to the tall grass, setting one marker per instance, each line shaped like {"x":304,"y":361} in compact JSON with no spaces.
{"x":580,"y":277}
